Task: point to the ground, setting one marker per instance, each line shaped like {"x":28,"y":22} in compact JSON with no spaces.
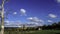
{"x":0,"y":32}
{"x":35,"y":32}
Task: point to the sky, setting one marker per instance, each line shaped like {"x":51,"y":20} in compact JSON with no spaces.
{"x":37,"y":12}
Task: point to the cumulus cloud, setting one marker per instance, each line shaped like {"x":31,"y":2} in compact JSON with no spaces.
{"x":36,"y":21}
{"x":30,"y":18}
{"x":7,"y":22}
{"x":33,"y":19}
{"x":0,"y":7}
{"x":58,"y":1}
{"x":15,"y":13}
{"x":50,"y":21}
{"x":23,"y":12}
{"x":52,"y":16}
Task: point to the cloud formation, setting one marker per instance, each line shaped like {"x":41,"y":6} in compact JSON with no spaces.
{"x":15,"y":13}
{"x":35,"y":20}
{"x":58,"y":1}
{"x":0,"y":7}
{"x":23,"y":12}
{"x":7,"y":22}
{"x":35,"y":23}
{"x":50,"y":21}
{"x":13,"y":23}
{"x":52,"y":16}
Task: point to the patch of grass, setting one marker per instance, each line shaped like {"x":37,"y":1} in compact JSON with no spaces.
{"x":34,"y":32}
{"x":47,"y":32}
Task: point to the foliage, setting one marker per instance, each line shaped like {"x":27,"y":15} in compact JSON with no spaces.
{"x":54,"y":26}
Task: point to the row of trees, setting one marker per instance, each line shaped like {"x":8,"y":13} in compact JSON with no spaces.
{"x":54,"y":26}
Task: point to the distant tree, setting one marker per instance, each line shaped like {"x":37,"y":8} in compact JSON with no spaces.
{"x":59,"y":23}
{"x":54,"y":26}
{"x":44,"y":27}
{"x":0,"y":27}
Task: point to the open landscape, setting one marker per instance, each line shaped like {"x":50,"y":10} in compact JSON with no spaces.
{"x":34,"y":32}
{"x":29,"y":16}
{"x":49,"y":29}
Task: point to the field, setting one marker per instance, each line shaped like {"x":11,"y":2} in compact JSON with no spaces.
{"x":34,"y":32}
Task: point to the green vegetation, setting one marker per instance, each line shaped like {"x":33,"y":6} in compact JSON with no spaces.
{"x":54,"y":26}
{"x":0,"y":27}
{"x":34,"y":32}
{"x":46,"y":29}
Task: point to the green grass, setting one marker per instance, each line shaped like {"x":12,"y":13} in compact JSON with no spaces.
{"x":35,"y":32}
{"x":47,"y":32}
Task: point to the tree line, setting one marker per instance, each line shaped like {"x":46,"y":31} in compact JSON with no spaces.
{"x":54,"y":26}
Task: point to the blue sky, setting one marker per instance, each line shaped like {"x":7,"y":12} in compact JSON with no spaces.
{"x":37,"y":11}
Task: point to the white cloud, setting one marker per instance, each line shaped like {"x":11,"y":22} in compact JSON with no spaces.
{"x":6,"y":22}
{"x":41,"y":20}
{"x":58,"y":1}
{"x":50,"y":21}
{"x":30,"y":18}
{"x":12,"y":23}
{"x":23,"y":12}
{"x":39,"y":24}
{"x":52,"y":16}
{"x":0,"y":6}
{"x":15,"y":13}
{"x":36,"y":21}
{"x":33,"y":19}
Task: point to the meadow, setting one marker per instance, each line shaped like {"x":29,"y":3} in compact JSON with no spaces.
{"x":34,"y":32}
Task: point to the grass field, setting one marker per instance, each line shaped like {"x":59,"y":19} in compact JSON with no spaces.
{"x":34,"y":32}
